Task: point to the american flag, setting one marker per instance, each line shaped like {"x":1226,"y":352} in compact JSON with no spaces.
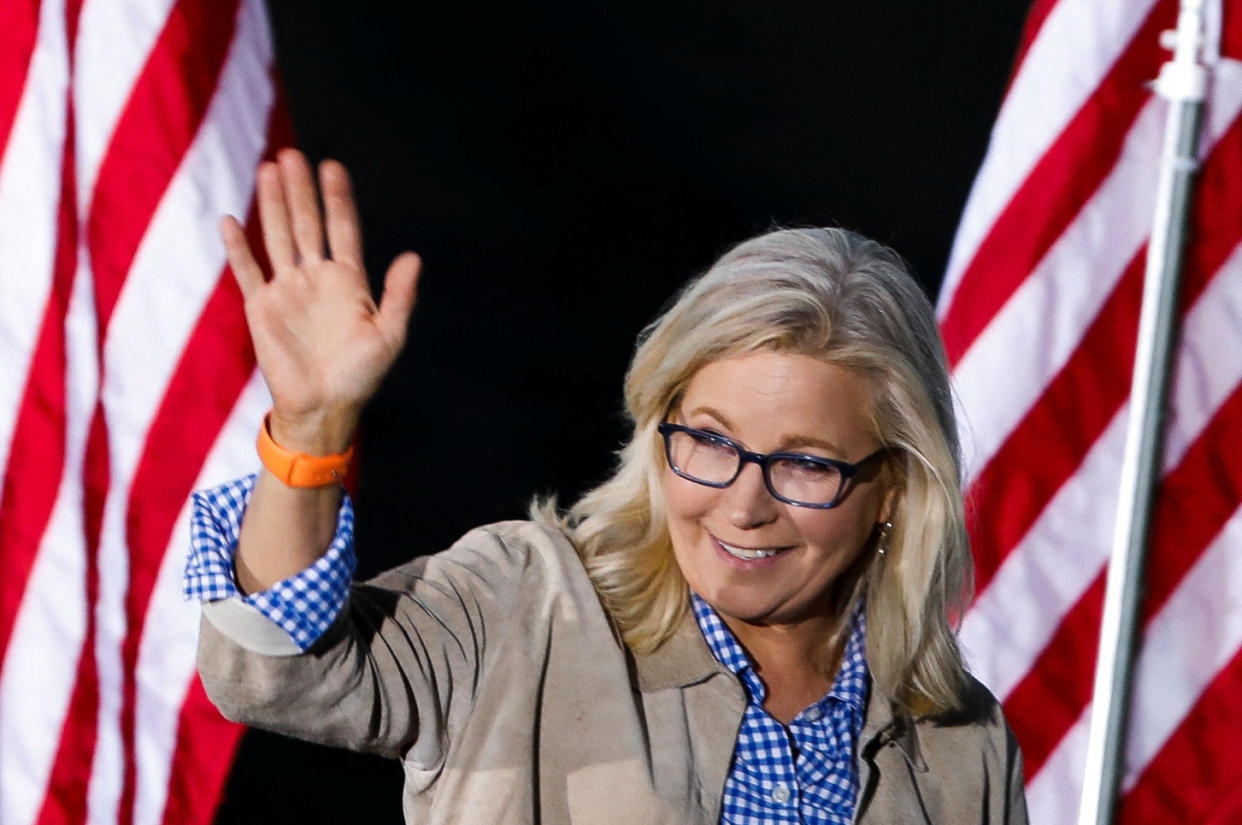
{"x":1039,"y":311}
{"x":126,"y":129}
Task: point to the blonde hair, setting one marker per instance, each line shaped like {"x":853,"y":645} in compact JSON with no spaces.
{"x":846,"y":300}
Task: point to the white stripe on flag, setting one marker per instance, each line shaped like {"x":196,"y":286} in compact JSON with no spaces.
{"x":104,"y":75}
{"x":1204,"y":608}
{"x":1077,"y":44}
{"x":175,"y":270}
{"x":1045,"y":318}
{"x":49,"y":627}
{"x":996,"y":393}
{"x":165,"y":661}
{"x":1052,"y":797}
{"x":1194,"y":635}
{"x":29,"y":197}
{"x":1014,"y":618}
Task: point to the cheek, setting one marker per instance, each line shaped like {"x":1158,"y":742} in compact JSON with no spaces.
{"x":686,"y":505}
{"x":842,"y":531}
{"x":685,"y":500}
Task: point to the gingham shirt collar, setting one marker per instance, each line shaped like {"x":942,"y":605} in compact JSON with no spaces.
{"x":850,"y":685}
{"x":805,"y":772}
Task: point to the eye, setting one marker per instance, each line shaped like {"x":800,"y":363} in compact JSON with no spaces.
{"x":809,"y":466}
{"x":706,"y":438}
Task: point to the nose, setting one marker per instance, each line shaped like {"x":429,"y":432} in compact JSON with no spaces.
{"x":747,"y":500}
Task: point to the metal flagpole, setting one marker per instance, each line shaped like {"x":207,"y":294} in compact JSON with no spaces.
{"x":1182,"y":82}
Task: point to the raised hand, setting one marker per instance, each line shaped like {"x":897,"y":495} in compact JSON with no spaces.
{"x":322,"y":343}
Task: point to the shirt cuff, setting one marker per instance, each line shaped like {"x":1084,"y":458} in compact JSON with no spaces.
{"x":303,"y":605}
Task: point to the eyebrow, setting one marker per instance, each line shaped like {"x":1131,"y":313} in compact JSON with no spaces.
{"x":791,"y":441}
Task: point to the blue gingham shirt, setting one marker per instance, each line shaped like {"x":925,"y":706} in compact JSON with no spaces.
{"x":303,"y":605}
{"x":804,"y":773}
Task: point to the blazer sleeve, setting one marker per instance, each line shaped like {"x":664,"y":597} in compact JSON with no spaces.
{"x":397,"y":670}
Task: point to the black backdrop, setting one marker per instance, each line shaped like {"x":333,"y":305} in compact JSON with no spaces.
{"x":562,"y":167}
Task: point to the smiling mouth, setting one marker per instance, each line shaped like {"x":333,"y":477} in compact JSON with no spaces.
{"x":746,"y":553}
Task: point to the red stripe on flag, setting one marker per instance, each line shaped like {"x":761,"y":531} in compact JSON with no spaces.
{"x":1056,"y":189}
{"x":206,"y":742}
{"x":1048,"y":446}
{"x":156,"y":128}
{"x":65,"y":799}
{"x":1051,"y":696}
{"x":1035,"y":18}
{"x":212,"y":373}
{"x":1189,"y":513}
{"x":65,"y":802}
{"x":36,"y":461}
{"x":1187,"y":517}
{"x":19,"y":29}
{"x":1216,"y":225}
{"x":1058,"y":685}
{"x":1197,"y":775}
{"x":1231,"y":35}
{"x":1015,"y":486}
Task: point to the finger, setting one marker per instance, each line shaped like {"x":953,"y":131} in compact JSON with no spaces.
{"x":304,"y":215}
{"x":398,"y":299}
{"x":274,"y":218}
{"x":340,"y":215}
{"x":246,"y":270}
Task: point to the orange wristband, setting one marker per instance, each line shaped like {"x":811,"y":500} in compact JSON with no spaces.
{"x":300,"y":469}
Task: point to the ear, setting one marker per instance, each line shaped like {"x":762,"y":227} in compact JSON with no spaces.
{"x":888,"y":507}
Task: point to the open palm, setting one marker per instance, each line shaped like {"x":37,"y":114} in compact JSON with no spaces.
{"x":322,"y":343}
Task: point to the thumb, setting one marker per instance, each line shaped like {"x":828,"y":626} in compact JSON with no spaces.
{"x":398,"y":299}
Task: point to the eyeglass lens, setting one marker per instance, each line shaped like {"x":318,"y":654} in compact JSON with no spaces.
{"x":716,"y":461}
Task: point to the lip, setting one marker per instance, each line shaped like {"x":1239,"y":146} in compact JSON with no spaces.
{"x":746,"y":564}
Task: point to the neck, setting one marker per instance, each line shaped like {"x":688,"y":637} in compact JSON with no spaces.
{"x":807,"y":646}
{"x":797,"y":665}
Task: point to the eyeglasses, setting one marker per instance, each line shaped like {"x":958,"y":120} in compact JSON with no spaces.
{"x":794,"y":478}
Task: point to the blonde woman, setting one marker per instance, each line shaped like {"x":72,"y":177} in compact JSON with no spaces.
{"x":748,"y":623}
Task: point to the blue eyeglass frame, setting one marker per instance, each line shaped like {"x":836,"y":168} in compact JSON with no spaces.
{"x":847,"y":470}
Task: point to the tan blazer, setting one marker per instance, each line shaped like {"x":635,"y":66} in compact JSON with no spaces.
{"x":492,"y":672}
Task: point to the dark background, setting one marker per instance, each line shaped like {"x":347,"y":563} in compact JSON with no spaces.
{"x":562,"y":168}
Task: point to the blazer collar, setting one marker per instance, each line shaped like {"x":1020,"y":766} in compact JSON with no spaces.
{"x":683,"y":660}
{"x":882,"y":727}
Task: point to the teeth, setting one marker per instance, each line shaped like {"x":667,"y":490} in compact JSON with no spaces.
{"x":747,"y":555}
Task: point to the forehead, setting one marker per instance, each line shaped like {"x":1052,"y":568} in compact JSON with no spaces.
{"x":771,"y":399}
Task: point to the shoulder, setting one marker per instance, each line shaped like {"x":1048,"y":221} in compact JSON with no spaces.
{"x":976,"y":733}
{"x":978,"y":707}
{"x":494,"y":558}
{"x":961,"y":766}
{"x":980,"y":715}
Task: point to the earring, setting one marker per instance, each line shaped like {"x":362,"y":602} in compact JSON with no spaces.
{"x":881,"y":544}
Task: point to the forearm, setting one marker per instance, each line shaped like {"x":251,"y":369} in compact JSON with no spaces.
{"x":286,"y":529}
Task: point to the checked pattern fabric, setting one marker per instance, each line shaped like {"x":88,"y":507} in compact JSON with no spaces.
{"x":303,"y":605}
{"x":804,"y":773}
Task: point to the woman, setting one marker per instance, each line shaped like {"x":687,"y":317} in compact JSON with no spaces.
{"x":746,"y":623}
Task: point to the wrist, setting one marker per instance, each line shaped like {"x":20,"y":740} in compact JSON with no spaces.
{"x":298,"y":469}
{"x":319,"y":433}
